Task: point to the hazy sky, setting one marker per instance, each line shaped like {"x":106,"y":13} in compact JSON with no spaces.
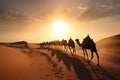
{"x":31,"y":20}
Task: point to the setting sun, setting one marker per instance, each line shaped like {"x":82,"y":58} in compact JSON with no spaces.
{"x":60,"y":26}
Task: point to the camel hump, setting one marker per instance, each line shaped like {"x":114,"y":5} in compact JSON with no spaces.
{"x":88,"y":40}
{"x":70,"y":40}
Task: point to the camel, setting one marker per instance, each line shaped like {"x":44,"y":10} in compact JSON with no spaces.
{"x":64,"y":44}
{"x":88,"y":43}
{"x":71,"y":46}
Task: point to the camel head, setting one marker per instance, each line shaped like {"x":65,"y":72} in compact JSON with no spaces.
{"x":78,"y":42}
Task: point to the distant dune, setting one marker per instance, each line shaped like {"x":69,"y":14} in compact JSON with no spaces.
{"x":109,"y":51}
{"x":19,"y":44}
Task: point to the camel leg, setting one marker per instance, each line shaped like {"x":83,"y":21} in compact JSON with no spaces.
{"x":74,"y":51}
{"x":86,"y":55}
{"x":65,"y":48}
{"x":91,"y":56}
{"x":97,"y":58}
{"x":71,"y":51}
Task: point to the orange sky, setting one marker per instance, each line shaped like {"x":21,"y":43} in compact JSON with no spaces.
{"x":34,"y":21}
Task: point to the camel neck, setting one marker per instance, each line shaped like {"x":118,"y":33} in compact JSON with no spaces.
{"x":78,"y":43}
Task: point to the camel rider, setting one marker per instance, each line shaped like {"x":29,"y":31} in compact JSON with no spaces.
{"x":87,"y":40}
{"x":70,"y":40}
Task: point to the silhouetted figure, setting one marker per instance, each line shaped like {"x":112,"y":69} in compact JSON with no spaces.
{"x":88,"y":43}
{"x":64,"y":44}
{"x":71,"y":46}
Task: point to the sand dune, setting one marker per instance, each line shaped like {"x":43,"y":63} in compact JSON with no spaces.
{"x":34,"y":63}
{"x":16,"y":64}
{"x":109,"y":50}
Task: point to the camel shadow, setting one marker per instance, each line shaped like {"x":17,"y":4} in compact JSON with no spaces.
{"x":79,"y":68}
{"x":106,"y":73}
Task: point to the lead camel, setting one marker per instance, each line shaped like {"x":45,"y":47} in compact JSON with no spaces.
{"x":89,"y":44}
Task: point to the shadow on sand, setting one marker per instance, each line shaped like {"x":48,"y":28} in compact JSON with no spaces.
{"x":80,"y":70}
{"x":57,"y":70}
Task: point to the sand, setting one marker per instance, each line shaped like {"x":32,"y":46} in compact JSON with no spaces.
{"x":45,"y":63}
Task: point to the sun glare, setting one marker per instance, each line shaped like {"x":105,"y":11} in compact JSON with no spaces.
{"x":60,"y":26}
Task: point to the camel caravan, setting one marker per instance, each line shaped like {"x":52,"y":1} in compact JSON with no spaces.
{"x":87,"y":44}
